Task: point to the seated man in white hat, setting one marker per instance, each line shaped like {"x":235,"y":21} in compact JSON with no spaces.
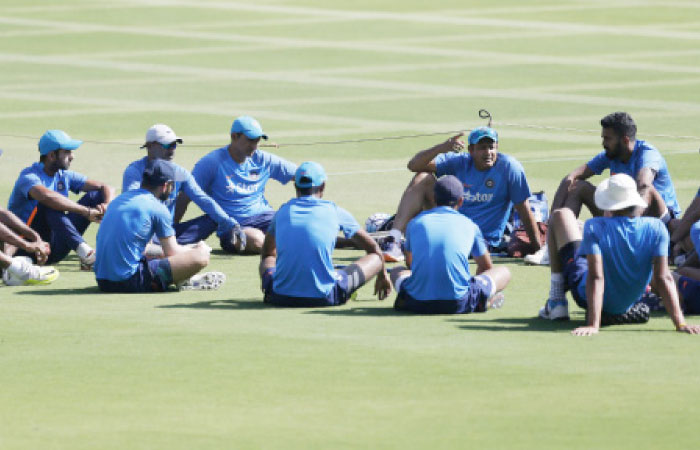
{"x":609,"y":267}
{"x":161,"y":142}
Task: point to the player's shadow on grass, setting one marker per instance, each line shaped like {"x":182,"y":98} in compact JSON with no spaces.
{"x":220,"y":304}
{"x":514,"y":323}
{"x":358,"y":311}
{"x":91,"y":290}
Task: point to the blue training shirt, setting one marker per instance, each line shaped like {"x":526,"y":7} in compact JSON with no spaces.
{"x":643,"y":155}
{"x":305,"y":231}
{"x":129,"y":224}
{"x":132,"y":180}
{"x":440,"y":241}
{"x":22,"y":205}
{"x":239,"y":188}
{"x":628,"y":246}
{"x":489,"y":195}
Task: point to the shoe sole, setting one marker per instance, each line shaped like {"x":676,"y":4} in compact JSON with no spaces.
{"x":51,"y":277}
{"x":496,"y":301}
{"x":211,"y":281}
{"x":391,"y":259}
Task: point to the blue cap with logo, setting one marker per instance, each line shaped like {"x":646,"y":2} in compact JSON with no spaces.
{"x":248,"y":126}
{"x":480,"y":133}
{"x":310,"y":174}
{"x":160,"y":171}
{"x":448,"y":190}
{"x":54,"y":140}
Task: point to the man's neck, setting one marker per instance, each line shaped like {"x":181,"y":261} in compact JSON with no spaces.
{"x":236,"y":155}
{"x":48,"y":171}
{"x":625,"y":157}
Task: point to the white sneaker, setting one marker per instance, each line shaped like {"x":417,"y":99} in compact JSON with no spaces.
{"x":555,"y":310}
{"x":539,"y":258}
{"x":203,"y":281}
{"x":28,"y":274}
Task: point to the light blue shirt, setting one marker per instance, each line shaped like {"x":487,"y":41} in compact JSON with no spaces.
{"x":22,"y":205}
{"x":305,"y":231}
{"x":628,"y":247}
{"x":239,"y":188}
{"x":129,"y":224}
{"x":440,"y":241}
{"x":489,"y":195}
{"x":132,"y":180}
{"x":643,"y":155}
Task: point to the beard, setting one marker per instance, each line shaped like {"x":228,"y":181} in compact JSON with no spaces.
{"x":614,"y":152}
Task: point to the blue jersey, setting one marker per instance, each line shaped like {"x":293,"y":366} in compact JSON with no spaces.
{"x":628,"y":247}
{"x":305,"y":231}
{"x":22,"y":205}
{"x":239,"y":188}
{"x":128,"y":225}
{"x":132,"y":180}
{"x":440,"y":241}
{"x":643,"y":155}
{"x":489,"y":195}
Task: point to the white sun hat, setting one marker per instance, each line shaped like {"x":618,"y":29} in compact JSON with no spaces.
{"x":618,"y":192}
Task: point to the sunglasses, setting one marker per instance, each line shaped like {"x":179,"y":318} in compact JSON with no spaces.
{"x":170,"y":146}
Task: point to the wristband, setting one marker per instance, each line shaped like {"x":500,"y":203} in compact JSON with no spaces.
{"x":681,"y":325}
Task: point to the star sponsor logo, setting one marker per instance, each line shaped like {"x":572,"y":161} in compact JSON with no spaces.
{"x":240,"y":187}
{"x":477,"y":197}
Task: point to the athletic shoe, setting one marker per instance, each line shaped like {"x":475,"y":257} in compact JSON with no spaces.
{"x":496,"y":300}
{"x":652,"y":300}
{"x":203,"y":282}
{"x":30,"y":274}
{"x":87,"y":262}
{"x":539,"y":258}
{"x":638,"y":313}
{"x":555,"y":310}
{"x":392,"y":250}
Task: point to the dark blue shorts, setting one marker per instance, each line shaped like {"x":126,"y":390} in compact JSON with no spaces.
{"x":260,"y":221}
{"x":690,"y":290}
{"x":474,"y":301}
{"x":575,"y":269}
{"x":150,"y":276}
{"x":339,"y":295}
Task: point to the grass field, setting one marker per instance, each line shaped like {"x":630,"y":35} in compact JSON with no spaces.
{"x":79,"y":369}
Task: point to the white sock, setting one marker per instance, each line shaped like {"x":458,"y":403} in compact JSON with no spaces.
{"x":83,"y":250}
{"x":556,"y":287}
{"x":665,"y":217}
{"x":396,"y":233}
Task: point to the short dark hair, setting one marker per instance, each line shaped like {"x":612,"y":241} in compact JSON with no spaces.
{"x":304,"y":192}
{"x":622,"y":123}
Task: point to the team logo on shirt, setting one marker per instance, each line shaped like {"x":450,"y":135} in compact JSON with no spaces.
{"x":60,"y":186}
{"x":254,"y":176}
{"x":489,"y":183}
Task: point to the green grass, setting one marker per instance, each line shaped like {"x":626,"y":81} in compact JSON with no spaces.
{"x":79,"y":369}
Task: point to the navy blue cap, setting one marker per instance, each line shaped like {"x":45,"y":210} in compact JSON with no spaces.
{"x":480,"y":133}
{"x":448,"y":190}
{"x":160,"y":171}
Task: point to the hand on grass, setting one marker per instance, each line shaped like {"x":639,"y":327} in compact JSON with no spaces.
{"x":585,"y":331}
{"x":382,"y":286}
{"x":690,"y":329}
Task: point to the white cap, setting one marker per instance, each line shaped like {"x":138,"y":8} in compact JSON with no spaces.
{"x":618,"y":192}
{"x":162,"y":134}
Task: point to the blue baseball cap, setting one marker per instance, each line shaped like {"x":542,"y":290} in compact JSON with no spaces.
{"x":54,"y":140}
{"x":248,"y":126}
{"x":309,"y":174}
{"x":480,"y":133}
{"x":448,"y":190}
{"x":160,"y":171}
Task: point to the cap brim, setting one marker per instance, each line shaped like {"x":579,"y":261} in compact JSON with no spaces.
{"x":254,"y":135}
{"x":71,"y":145}
{"x":603,"y":202}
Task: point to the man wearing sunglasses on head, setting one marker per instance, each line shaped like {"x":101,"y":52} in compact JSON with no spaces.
{"x":161,"y":142}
